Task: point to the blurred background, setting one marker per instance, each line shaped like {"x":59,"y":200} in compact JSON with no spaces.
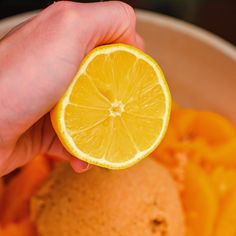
{"x":217,"y":16}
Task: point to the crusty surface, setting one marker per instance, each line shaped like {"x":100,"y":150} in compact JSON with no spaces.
{"x":139,"y":201}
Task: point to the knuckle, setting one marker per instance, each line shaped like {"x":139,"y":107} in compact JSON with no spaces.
{"x":128,"y":13}
{"x":65,"y":11}
{"x":60,"y":6}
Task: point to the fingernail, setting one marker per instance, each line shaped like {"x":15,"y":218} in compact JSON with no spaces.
{"x":84,"y":167}
{"x":79,"y":166}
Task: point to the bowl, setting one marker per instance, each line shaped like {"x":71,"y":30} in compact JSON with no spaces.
{"x":199,"y":66}
{"x":201,"y":71}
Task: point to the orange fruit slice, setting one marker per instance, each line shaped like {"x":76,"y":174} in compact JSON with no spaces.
{"x":199,"y":201}
{"x":224,"y":181}
{"x":223,"y":154}
{"x":209,"y":126}
{"x":1,"y":188}
{"x":23,"y":227}
{"x":226,"y":223}
{"x":17,"y":193}
{"x":116,"y":110}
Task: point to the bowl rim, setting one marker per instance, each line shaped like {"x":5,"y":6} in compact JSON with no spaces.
{"x":148,"y":16}
{"x":189,"y":29}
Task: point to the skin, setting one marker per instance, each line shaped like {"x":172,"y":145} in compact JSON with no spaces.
{"x":38,"y":59}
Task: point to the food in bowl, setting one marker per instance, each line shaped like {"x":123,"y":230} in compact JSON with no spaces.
{"x":142,"y":200}
{"x":195,"y":172}
{"x":205,"y":182}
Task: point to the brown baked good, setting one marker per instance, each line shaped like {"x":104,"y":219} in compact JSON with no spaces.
{"x":139,"y":201}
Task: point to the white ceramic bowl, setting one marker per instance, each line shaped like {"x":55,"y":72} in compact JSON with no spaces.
{"x":200,"y":67}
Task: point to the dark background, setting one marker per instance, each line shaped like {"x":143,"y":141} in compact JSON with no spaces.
{"x":217,"y":16}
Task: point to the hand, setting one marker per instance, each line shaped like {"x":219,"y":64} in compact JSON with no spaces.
{"x":38,"y":59}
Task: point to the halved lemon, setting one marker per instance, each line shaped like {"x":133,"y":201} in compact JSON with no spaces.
{"x":116,"y":110}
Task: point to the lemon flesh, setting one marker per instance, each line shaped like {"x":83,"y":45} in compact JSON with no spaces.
{"x":116,"y":110}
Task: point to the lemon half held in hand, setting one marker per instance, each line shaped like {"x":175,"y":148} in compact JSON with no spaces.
{"x":116,"y":110}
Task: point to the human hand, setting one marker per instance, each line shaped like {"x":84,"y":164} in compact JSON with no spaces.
{"x":38,"y":59}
